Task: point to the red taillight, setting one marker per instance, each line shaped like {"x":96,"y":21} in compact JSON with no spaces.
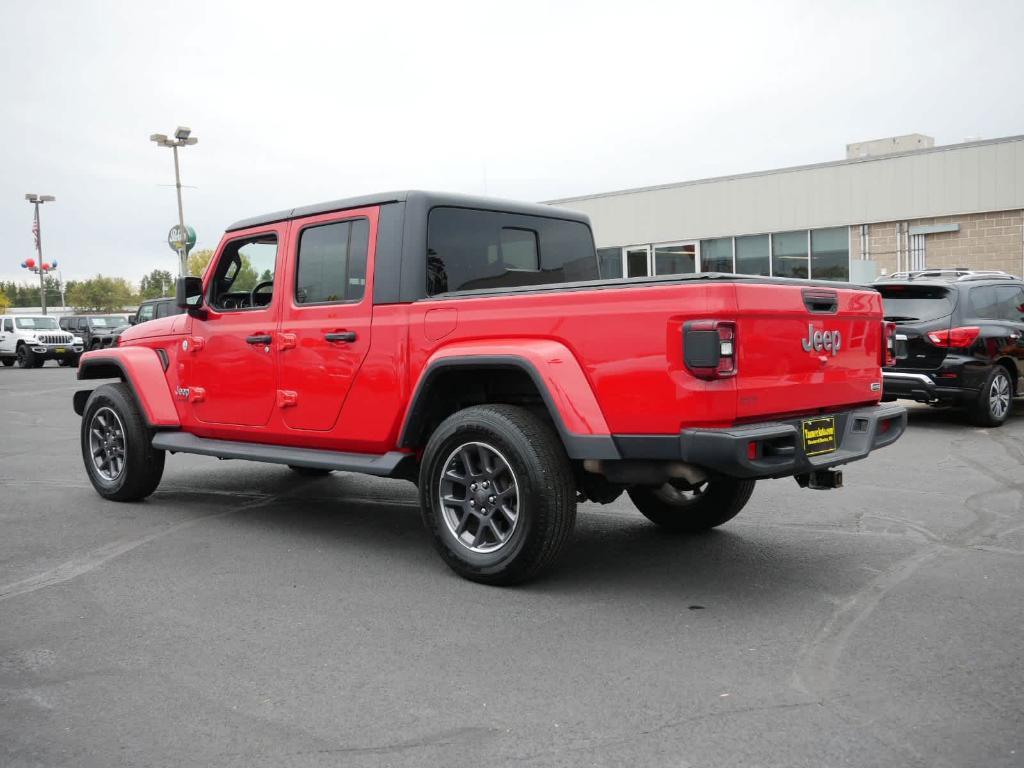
{"x":888,"y":345}
{"x":955,"y":338}
{"x":709,"y":348}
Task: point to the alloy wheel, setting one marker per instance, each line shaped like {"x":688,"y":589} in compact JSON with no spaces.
{"x":107,"y":444}
{"x":999,"y":396}
{"x":479,"y":497}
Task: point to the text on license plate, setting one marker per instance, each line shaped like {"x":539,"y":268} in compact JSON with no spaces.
{"x":819,"y":435}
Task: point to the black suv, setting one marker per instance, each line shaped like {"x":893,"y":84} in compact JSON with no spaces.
{"x":151,"y":309}
{"x":96,"y":330}
{"x":959,"y":339}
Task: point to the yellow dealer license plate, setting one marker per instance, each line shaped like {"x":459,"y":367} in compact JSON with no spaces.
{"x":60,"y":350}
{"x":820,"y":435}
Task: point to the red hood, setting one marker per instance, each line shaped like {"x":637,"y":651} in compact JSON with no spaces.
{"x":164,"y":326}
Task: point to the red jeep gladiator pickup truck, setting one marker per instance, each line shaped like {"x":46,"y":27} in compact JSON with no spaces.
{"x":468,"y":345}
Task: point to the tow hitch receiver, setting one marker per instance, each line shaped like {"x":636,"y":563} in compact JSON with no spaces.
{"x":821,"y":479}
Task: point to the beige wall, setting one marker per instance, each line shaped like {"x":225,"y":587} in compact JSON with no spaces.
{"x":942,"y":181}
{"x":992,"y":240}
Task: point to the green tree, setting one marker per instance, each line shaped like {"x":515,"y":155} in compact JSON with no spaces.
{"x":157,"y":283}
{"x":100,"y":294}
{"x":198,"y":261}
{"x":4,"y":301}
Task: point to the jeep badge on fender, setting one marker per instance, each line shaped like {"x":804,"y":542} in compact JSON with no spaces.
{"x":822,"y":340}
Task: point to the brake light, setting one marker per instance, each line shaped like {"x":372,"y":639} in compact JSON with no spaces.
{"x":888,"y":345}
{"x":955,"y":338}
{"x":709,"y":348}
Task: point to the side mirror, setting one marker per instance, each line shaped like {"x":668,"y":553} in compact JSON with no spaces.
{"x":133,"y":320}
{"x":188,"y":293}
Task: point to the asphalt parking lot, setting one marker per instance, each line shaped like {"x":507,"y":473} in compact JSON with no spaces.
{"x":243,"y":616}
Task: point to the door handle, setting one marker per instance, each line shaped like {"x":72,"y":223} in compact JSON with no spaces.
{"x":258,"y":339}
{"x":341,"y":336}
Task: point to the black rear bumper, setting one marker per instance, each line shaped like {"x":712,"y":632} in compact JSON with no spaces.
{"x":779,"y":447}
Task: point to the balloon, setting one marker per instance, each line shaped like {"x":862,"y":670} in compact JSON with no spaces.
{"x":23,"y":265}
{"x":54,"y":265}
{"x":30,"y":263}
{"x":45,"y":267}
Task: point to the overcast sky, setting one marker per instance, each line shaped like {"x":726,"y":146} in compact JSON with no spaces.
{"x":300,"y":102}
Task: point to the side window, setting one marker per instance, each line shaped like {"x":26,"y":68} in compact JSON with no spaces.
{"x":984,"y":302}
{"x":332,"y":262}
{"x":1011,"y":303}
{"x":8,"y":325}
{"x":245,"y":274}
{"x":161,"y":309}
{"x":145,"y":313}
{"x":470,"y":249}
{"x":82,"y":323}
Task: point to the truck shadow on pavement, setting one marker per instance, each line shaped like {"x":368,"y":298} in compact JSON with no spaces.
{"x":614,"y":550}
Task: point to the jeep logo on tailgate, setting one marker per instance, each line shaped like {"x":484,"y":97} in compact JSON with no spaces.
{"x":817,"y":341}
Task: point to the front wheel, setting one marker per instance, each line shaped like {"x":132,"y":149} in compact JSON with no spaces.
{"x":497,"y":493}
{"x":25,"y":358}
{"x":683,"y":509}
{"x":117,"y":446}
{"x":992,"y":407}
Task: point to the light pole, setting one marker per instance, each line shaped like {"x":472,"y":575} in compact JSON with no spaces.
{"x":42,"y":268}
{"x":182,"y":138}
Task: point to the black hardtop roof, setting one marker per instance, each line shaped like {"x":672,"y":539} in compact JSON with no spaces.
{"x":427,"y":199}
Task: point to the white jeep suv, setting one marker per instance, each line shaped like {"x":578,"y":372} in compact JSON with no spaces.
{"x":31,"y":340}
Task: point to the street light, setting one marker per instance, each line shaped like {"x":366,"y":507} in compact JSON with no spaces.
{"x":182,"y":138}
{"x":41,"y":268}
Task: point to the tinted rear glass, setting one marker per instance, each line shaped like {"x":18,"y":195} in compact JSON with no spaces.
{"x":470,"y":249}
{"x":916,"y":303}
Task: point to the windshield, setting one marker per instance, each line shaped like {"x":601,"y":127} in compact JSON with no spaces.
{"x":106,"y":322}
{"x":916,"y":303}
{"x":37,"y":323}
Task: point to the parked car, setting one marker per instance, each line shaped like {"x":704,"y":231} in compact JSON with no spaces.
{"x":31,"y":340}
{"x":468,"y":345}
{"x":153,"y":309}
{"x":959,"y":340}
{"x":96,"y":331}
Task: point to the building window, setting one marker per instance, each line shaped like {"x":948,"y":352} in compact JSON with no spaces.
{"x":789,"y":254}
{"x":609,"y":262}
{"x":675,"y":259}
{"x":716,"y":255}
{"x":830,"y":254}
{"x":752,"y":255}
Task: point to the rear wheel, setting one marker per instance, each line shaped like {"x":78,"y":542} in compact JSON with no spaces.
{"x":691,"y":509}
{"x":117,"y":446}
{"x":497,"y":493}
{"x":8,"y":362}
{"x":992,"y":407}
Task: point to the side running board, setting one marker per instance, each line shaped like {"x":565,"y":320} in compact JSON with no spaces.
{"x":386,"y":465}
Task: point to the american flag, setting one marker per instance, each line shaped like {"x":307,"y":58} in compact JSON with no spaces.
{"x":35,"y":231}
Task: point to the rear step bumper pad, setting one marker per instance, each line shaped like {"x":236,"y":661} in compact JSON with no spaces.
{"x":781,"y":451}
{"x":384,"y":465}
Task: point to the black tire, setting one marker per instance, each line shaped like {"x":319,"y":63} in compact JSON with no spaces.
{"x":8,"y":362}
{"x":310,"y":471}
{"x":25,"y":357}
{"x":68,"y":362}
{"x":141,"y":467}
{"x":710,"y":505}
{"x":995,"y":401}
{"x":532,"y":474}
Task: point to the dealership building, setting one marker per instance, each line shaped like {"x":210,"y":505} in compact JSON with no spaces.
{"x":894,"y":204}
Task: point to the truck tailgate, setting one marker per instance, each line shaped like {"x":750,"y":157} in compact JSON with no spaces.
{"x":803,"y":350}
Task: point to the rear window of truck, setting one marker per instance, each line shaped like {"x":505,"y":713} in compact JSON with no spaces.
{"x":471,"y":250}
{"x":916,"y":303}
